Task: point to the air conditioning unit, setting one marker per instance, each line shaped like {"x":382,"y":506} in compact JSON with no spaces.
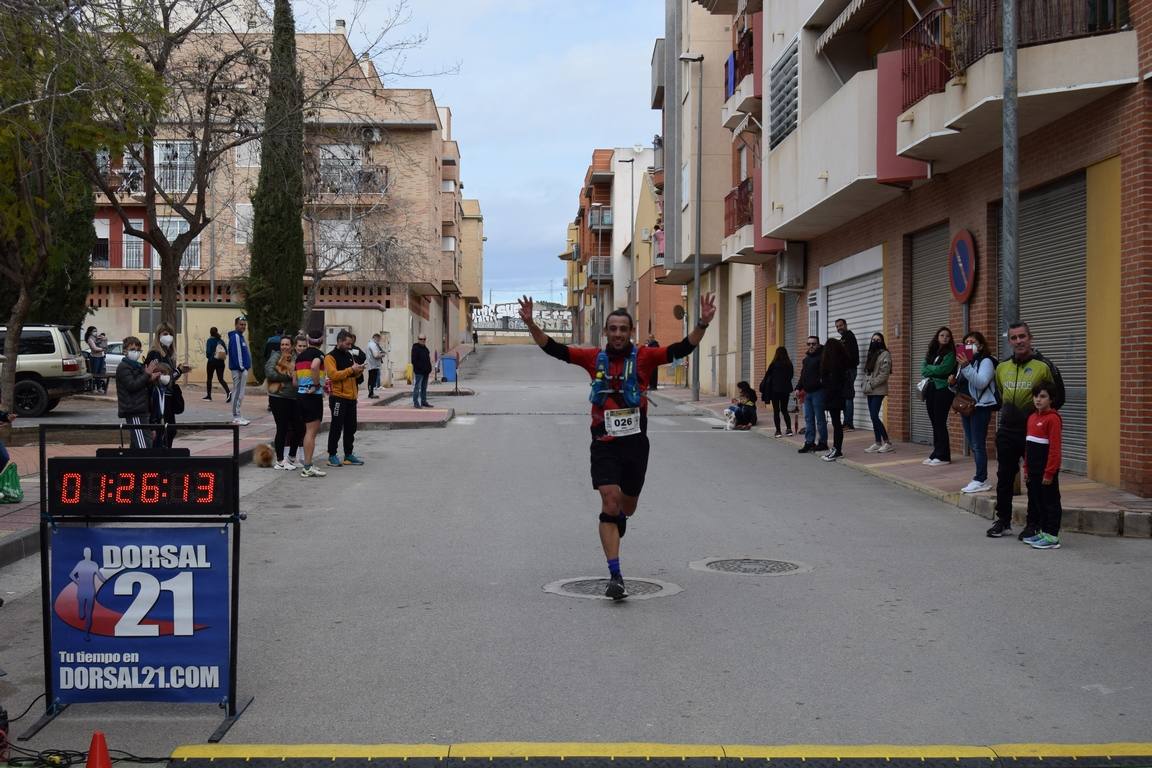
{"x":370,"y":134}
{"x":790,"y":268}
{"x":646,"y":234}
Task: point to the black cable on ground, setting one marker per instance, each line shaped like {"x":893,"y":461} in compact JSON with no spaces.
{"x":65,"y":758}
{"x":27,"y":709}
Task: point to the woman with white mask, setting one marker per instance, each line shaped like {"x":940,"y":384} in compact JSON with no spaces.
{"x":164,"y":351}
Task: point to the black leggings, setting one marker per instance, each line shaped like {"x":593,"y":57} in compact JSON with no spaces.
{"x":837,"y":426}
{"x":939,"y":405}
{"x":780,"y":407}
{"x":289,"y":425}
{"x":216,"y":367}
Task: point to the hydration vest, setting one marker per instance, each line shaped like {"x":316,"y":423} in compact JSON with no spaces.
{"x":627,"y":385}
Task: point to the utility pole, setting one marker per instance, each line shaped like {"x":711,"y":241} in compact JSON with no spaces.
{"x":1009,"y":223}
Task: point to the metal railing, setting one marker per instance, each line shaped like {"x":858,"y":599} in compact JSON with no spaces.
{"x":175,"y":178}
{"x":133,"y":253}
{"x":354,"y":180}
{"x":738,"y":208}
{"x":739,"y":65}
{"x":927,"y":56}
{"x":100,"y":255}
{"x":600,"y":218}
{"x":948,"y":41}
{"x":599,"y":268}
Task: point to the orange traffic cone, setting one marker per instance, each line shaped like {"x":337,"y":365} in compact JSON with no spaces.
{"x":98,"y":752}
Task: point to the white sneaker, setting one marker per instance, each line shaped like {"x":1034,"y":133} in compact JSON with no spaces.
{"x":976,"y":487}
{"x":241,"y":422}
{"x":886,"y":448}
{"x":874,"y":448}
{"x":937,"y":463}
{"x":928,"y":462}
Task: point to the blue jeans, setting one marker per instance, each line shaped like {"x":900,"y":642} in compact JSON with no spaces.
{"x":976,"y":435}
{"x":814,"y":421}
{"x":878,"y":430}
{"x":419,"y":389}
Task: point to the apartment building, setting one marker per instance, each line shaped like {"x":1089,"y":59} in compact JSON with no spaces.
{"x":388,"y":240}
{"x":881,"y":170}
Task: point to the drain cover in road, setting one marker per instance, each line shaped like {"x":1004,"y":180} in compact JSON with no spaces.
{"x":750,"y":566}
{"x":593,"y":587}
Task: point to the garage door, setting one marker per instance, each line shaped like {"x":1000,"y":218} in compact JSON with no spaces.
{"x":1053,"y":297}
{"x":931,"y":300}
{"x":860,"y":302}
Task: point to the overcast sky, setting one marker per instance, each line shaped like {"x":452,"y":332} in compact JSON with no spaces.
{"x":539,"y":85}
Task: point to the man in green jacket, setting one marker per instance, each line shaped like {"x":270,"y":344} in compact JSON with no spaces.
{"x":1015,"y":378}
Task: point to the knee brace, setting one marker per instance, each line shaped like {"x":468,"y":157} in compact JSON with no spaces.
{"x":620,"y":520}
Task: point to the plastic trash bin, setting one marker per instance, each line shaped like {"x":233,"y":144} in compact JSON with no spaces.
{"x":448,"y":368}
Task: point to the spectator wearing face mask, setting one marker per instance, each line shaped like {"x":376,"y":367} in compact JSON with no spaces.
{"x":163,"y":351}
{"x":134,"y":380}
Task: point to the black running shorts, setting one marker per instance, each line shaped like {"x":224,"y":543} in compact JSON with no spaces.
{"x":311,"y":408}
{"x":622,"y":462}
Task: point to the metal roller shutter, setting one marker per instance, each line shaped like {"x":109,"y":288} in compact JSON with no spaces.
{"x":931,"y":300}
{"x":860,"y":301}
{"x":1053,"y":297}
{"x":746,"y":339}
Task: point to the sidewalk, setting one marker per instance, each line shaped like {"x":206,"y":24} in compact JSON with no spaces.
{"x":1089,"y":506}
{"x":19,"y":523}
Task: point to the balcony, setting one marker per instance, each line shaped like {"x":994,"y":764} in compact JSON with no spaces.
{"x":600,"y":219}
{"x":738,"y":208}
{"x":821,"y":177}
{"x":449,"y":213}
{"x":719,"y":7}
{"x":352,"y":181}
{"x":133,"y":253}
{"x":176,"y":178}
{"x":741,"y":86}
{"x":599,"y":270}
{"x":1071,"y":55}
{"x":658,"y":74}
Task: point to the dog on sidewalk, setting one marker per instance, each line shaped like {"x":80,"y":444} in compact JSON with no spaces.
{"x":263,"y":456}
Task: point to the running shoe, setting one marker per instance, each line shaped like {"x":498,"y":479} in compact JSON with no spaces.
{"x":334,"y":461}
{"x":241,"y":422}
{"x":886,"y":448}
{"x":353,"y":460}
{"x":928,"y":461}
{"x":1034,"y":538}
{"x":976,"y":487}
{"x":832,"y":455}
{"x":312,"y":471}
{"x":1028,"y":533}
{"x":998,"y":529}
{"x":789,"y":433}
{"x":227,"y":397}
{"x":807,"y":448}
{"x":874,"y":448}
{"x":1047,"y":541}
{"x":283,"y":465}
{"x":777,"y":435}
{"x":938,"y":462}
{"x":616,"y":589}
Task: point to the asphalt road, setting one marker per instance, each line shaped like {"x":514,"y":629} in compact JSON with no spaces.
{"x":403,"y":601}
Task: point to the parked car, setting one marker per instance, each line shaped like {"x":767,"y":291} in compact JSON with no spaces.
{"x":113,"y":354}
{"x":49,"y":367}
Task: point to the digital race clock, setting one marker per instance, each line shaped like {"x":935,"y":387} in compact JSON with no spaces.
{"x":119,"y":485}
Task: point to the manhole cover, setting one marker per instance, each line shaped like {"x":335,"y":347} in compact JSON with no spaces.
{"x":750,"y":566}
{"x":591,"y":587}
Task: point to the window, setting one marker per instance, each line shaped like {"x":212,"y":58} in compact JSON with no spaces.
{"x":248,"y":155}
{"x":243,"y":223}
{"x":173,"y":226}
{"x":175,"y":165}
{"x":134,"y":249}
{"x":784,"y":95}
{"x":338,"y":243}
{"x":448,"y":185}
{"x":742,"y":154}
{"x":448,"y":244}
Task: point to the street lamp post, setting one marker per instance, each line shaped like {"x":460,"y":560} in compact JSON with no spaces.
{"x":598,"y":314}
{"x":699,"y":59}
{"x":631,"y":234}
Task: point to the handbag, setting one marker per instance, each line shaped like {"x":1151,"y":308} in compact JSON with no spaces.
{"x":176,"y":395}
{"x":922,"y":386}
{"x":963,"y":404}
{"x":221,"y":351}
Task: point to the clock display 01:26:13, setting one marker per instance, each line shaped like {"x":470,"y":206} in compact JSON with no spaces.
{"x":145,"y":487}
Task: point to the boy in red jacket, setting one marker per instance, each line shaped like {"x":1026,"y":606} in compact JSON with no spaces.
{"x":1042,"y":468}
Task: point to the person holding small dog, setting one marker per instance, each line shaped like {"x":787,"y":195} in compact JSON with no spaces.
{"x":280,"y":375}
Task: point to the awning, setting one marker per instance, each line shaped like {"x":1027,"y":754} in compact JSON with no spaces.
{"x":856,"y":16}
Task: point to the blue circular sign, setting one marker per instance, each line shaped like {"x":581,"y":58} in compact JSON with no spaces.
{"x":962,"y":266}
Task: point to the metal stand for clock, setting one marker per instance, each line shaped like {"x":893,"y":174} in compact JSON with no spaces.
{"x":127,"y":485}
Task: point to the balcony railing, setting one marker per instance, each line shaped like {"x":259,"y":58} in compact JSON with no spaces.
{"x":175,"y":178}
{"x":739,"y":65}
{"x":100,"y":255}
{"x":948,"y":41}
{"x":354,"y":180}
{"x":133,"y":253}
{"x":738,"y":208}
{"x":599,"y":268}
{"x":927,"y":56}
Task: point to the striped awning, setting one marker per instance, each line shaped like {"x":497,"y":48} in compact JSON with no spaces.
{"x":858,"y":14}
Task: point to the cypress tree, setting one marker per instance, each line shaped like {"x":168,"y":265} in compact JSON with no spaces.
{"x":273,"y":295}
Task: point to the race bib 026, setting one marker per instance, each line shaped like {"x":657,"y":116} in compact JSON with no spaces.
{"x":622,"y":422}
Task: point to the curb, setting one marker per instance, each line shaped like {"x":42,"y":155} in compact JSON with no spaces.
{"x":1120,"y":522}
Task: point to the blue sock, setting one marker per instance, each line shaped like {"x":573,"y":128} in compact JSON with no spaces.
{"x":614,"y":568}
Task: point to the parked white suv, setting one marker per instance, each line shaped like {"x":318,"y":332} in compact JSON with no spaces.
{"x":49,"y":367}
